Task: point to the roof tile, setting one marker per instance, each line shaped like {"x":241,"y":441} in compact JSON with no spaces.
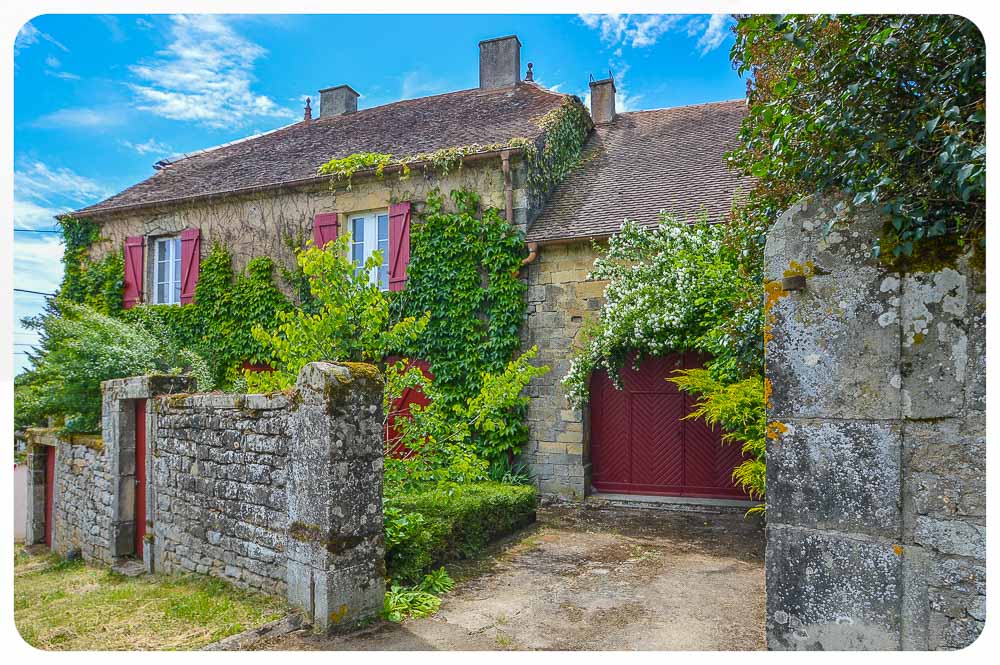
{"x":670,"y":159}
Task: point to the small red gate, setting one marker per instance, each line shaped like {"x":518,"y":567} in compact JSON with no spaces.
{"x":50,"y":491}
{"x":640,"y":443}
{"x":140,"y":476}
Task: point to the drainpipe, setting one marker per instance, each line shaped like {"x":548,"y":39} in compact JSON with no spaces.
{"x":508,"y":190}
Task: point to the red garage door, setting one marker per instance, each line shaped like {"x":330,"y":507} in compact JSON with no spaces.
{"x":640,"y":444}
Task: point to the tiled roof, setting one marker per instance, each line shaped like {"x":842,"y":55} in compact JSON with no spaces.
{"x":294,"y":153}
{"x":643,"y":161}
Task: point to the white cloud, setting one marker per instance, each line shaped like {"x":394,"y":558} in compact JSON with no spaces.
{"x":31,"y":215}
{"x":205,"y":75}
{"x":635,"y":30}
{"x":419,"y":84}
{"x":52,"y":62}
{"x":37,"y":262}
{"x":113,"y":26}
{"x":68,"y":76}
{"x":715,"y":33}
{"x":75,"y":118}
{"x":144,"y":24}
{"x":642,"y":30}
{"x":146,"y":147}
{"x":29,"y":35}
{"x":36,"y":181}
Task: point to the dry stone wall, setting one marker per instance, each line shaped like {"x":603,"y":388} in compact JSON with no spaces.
{"x":876,"y":466}
{"x":277,"y":493}
{"x":81,"y":498}
{"x":219,"y":469}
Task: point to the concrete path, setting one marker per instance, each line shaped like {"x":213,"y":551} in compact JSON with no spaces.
{"x":597,"y":579}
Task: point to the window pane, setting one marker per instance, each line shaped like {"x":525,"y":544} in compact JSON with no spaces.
{"x":161,"y":295}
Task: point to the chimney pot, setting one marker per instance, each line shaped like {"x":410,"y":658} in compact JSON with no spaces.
{"x":338,"y":100}
{"x":499,"y":62}
{"x":602,"y":100}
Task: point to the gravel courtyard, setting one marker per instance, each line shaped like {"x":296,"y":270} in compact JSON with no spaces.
{"x":594,"y":578}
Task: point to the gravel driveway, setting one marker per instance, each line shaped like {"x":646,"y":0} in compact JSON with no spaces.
{"x":594,"y":578}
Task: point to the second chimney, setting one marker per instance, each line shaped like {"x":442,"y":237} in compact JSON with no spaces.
{"x":499,"y":62}
{"x":602,"y":100}
{"x":338,"y":100}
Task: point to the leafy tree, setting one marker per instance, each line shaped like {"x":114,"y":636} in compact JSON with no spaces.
{"x":351,"y":322}
{"x":889,"y":109}
{"x":80,"y":348}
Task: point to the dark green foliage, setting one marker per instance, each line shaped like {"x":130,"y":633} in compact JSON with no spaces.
{"x":566,"y":131}
{"x":79,"y":348}
{"x":98,"y":284}
{"x":450,"y":522}
{"x":887,"y":108}
{"x":463,"y":270}
{"x":226,"y":307}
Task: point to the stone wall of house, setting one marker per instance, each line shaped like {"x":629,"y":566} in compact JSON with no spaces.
{"x":281,"y":494}
{"x":219,"y":467}
{"x":876,"y":473}
{"x":82,"y":494}
{"x":560,"y":300}
{"x":274,"y":223}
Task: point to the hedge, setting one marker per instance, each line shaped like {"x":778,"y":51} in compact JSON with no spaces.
{"x":457,"y":523}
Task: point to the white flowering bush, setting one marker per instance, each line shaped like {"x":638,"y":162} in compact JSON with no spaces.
{"x":672,"y":287}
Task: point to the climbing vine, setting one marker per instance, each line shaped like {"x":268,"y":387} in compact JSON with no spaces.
{"x":566,"y":130}
{"x":549,"y":160}
{"x":227,"y":306}
{"x":463,"y":271}
{"x":97,"y":284}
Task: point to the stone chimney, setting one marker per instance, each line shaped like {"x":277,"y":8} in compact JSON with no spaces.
{"x":499,"y":62}
{"x":339,"y":100}
{"x":602,"y":100}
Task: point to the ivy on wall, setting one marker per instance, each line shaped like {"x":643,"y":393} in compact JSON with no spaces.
{"x":226,"y":308}
{"x":463,"y":271}
{"x":98,"y":284}
{"x":549,"y":160}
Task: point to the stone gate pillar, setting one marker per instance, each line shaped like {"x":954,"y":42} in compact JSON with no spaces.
{"x":876,"y":440}
{"x":336,"y":546}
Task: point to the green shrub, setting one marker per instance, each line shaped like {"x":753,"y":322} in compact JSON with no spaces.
{"x":79,"y":348}
{"x":456,"y":522}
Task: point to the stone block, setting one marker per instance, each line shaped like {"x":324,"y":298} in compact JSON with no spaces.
{"x":830,"y":592}
{"x":840,"y":475}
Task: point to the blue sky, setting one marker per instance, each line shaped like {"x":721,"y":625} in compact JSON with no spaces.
{"x":99,"y":99}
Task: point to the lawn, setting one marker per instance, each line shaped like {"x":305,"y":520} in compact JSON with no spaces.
{"x":66,"y":606}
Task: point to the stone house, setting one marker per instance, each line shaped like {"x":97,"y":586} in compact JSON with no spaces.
{"x":261,"y":196}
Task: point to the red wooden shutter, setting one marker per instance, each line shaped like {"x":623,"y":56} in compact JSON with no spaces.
{"x":190,"y":263}
{"x":399,"y":244}
{"x":133,"y":272}
{"x":324,"y":228}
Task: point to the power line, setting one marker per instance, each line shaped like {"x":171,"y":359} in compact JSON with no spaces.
{"x":37,"y":231}
{"x":37,"y":293}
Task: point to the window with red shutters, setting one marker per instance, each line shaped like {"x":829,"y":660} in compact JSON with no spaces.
{"x":133,"y":272}
{"x":190,"y":263}
{"x":324,"y":228}
{"x":399,"y":244}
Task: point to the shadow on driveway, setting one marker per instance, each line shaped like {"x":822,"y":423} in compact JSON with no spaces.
{"x":595,"y":579}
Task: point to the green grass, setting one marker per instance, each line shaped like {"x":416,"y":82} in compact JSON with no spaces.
{"x":61,"y":605}
{"x":458,"y":523}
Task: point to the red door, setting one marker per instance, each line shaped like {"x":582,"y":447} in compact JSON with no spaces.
{"x":400,"y":408}
{"x":640,"y":443}
{"x":50,"y":491}
{"x":140,"y":476}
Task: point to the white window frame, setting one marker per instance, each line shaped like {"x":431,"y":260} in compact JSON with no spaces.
{"x":370,"y":241}
{"x":167,"y":252}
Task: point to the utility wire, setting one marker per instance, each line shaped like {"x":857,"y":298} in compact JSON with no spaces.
{"x":37,"y":231}
{"x":37,"y":293}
